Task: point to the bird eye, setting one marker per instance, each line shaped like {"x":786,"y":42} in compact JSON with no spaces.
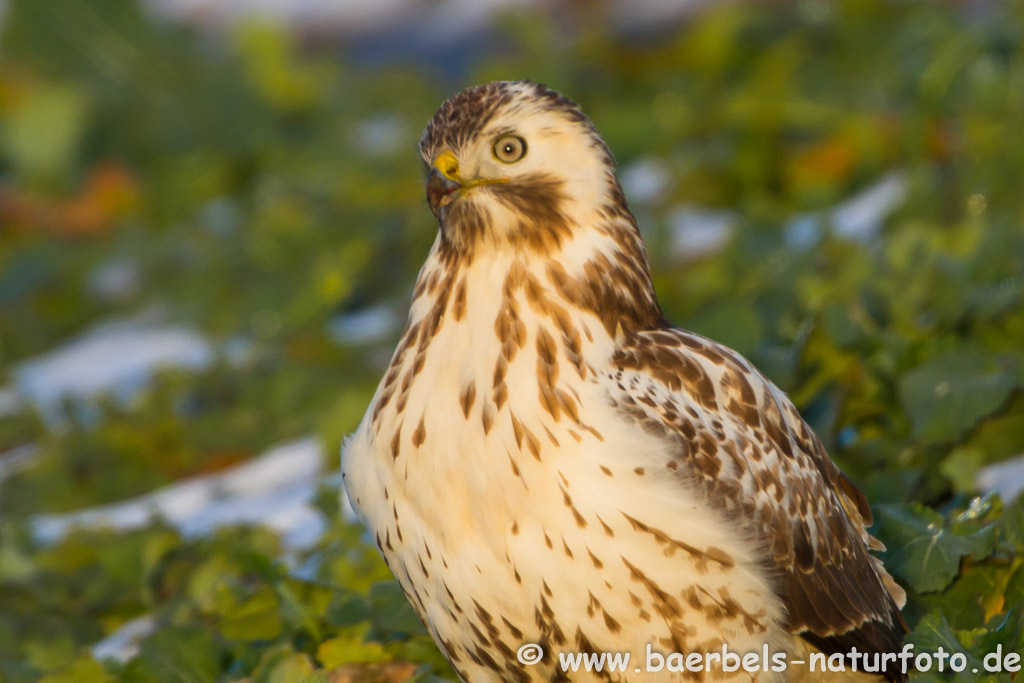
{"x":509,"y":148}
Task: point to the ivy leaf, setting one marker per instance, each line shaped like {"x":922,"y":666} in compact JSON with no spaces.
{"x":978,"y":591}
{"x":292,"y":669}
{"x":1014,"y":594}
{"x":257,"y":617}
{"x":733,"y":323}
{"x":42,"y":133}
{"x":933,"y":635}
{"x":933,"y":632}
{"x":946,"y":396}
{"x":337,"y":651}
{"x":177,"y":654}
{"x":392,"y":613}
{"x":82,"y":670}
{"x":51,"y":654}
{"x":1011,"y":526}
{"x":348,"y":609}
{"x":922,"y":550}
{"x":962,"y":467}
{"x":1007,"y":632}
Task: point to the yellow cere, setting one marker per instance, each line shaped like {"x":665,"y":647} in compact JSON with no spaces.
{"x":448,"y":165}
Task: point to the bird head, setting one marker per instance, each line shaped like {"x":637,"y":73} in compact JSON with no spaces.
{"x":517,"y":172}
{"x":515,"y":163}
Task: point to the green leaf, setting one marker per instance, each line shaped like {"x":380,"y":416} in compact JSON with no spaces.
{"x":962,"y":467}
{"x":1005,"y":629}
{"x":82,"y":670}
{"x":18,"y":672}
{"x":348,"y":609}
{"x":932,"y":633}
{"x":291,"y":669}
{"x":922,"y":551}
{"x":1014,"y":595}
{"x":976,"y":592}
{"x":41,"y":134}
{"x":841,"y":325}
{"x":733,"y":323}
{"x":947,"y":396}
{"x":1011,"y":526}
{"x":178,"y":654}
{"x":49,"y":655}
{"x":14,"y":565}
{"x":1001,"y":437}
{"x":337,"y":651}
{"x":256,"y":617}
{"x":392,"y":613}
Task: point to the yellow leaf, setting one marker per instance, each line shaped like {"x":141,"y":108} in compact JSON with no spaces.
{"x":337,"y":651}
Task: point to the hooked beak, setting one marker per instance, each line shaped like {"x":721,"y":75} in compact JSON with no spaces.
{"x":442,"y":182}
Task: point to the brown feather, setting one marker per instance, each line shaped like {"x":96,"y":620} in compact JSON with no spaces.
{"x":808,"y":512}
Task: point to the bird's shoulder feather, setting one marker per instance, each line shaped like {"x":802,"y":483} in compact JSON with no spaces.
{"x":749,"y":451}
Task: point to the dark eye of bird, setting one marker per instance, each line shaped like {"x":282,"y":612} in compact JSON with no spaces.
{"x":509,"y":148}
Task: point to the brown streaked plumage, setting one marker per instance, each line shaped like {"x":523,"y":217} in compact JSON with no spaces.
{"x":547,"y":460}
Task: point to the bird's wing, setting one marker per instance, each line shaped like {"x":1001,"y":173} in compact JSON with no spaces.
{"x":757,"y":460}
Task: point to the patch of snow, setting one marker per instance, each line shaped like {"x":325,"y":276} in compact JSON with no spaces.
{"x":10,"y":402}
{"x":803,"y":232}
{"x":115,"y":280}
{"x":123,"y":644}
{"x":639,"y":16}
{"x":221,"y":217}
{"x":238,"y":350}
{"x":645,"y":181}
{"x":350,"y":16}
{"x":380,"y":135}
{"x":275,"y":489}
{"x":439,"y":21}
{"x":858,"y":218}
{"x":14,"y":461}
{"x":365,"y":326}
{"x":861,"y":217}
{"x":697,"y":232}
{"x":448,"y":20}
{"x":116,"y":357}
{"x":1005,"y":478}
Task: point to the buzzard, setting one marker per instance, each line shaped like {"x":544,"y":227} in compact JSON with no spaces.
{"x":547,"y":460}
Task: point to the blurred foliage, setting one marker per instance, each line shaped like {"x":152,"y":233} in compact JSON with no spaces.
{"x":256,"y":185}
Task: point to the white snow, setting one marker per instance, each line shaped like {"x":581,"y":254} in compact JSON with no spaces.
{"x":445,"y":20}
{"x":123,"y":644}
{"x":861,"y":217}
{"x":275,"y":489}
{"x":348,"y":16}
{"x":13,"y":461}
{"x":858,"y":218}
{"x":365,"y":326}
{"x":803,"y":232}
{"x":10,"y":402}
{"x":437,"y":20}
{"x":118,"y":357}
{"x":380,"y":135}
{"x":634,"y":15}
{"x":1005,"y":478}
{"x":697,"y":231}
{"x":645,"y":181}
{"x":115,"y":280}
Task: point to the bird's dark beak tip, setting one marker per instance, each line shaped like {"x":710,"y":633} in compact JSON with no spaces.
{"x":439,"y":190}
